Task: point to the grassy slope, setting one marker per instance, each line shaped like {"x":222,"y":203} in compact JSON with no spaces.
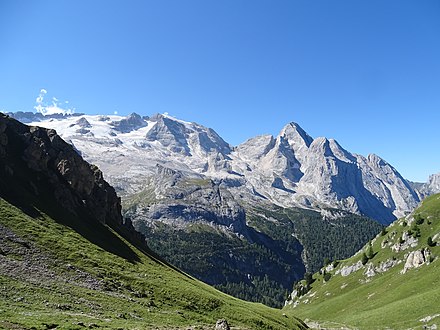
{"x":136,"y":291}
{"x":390,"y":299}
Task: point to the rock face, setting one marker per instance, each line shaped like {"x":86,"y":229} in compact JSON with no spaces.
{"x":347,"y":270}
{"x":132,"y":122}
{"x":39,"y":159}
{"x":416,"y":259}
{"x":291,"y":170}
{"x":188,"y":200}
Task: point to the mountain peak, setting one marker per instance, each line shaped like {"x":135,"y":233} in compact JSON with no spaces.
{"x":375,"y":159}
{"x":129,"y":123}
{"x":294,"y":133}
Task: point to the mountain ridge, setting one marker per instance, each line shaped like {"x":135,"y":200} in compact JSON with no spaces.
{"x":291,"y":169}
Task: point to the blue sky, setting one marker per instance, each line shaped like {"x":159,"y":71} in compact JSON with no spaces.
{"x":366,"y":73}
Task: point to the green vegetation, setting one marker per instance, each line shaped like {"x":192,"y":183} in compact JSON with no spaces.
{"x":80,"y":274}
{"x":364,"y":258}
{"x":370,"y":253}
{"x":250,"y":271}
{"x":321,"y":239}
{"x":388,"y":297}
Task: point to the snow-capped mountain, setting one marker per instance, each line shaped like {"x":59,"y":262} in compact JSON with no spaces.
{"x":291,"y":169}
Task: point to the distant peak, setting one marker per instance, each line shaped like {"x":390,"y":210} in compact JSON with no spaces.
{"x":295,"y":125}
{"x":129,"y":123}
{"x":83,"y":122}
{"x":295,"y":134}
{"x":168,"y":116}
{"x":134,"y":115}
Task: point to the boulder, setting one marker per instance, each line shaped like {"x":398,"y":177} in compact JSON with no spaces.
{"x":222,"y":325}
{"x":416,"y":259}
{"x":347,"y":270}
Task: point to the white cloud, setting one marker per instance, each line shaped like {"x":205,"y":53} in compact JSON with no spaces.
{"x":115,"y":112}
{"x":40,"y":97}
{"x":50,"y":109}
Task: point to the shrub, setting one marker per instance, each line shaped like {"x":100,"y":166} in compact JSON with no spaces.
{"x":419,"y":219}
{"x":415,"y":231}
{"x":308,"y":278}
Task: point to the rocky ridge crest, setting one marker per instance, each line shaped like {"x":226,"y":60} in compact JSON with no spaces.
{"x":44,"y":163}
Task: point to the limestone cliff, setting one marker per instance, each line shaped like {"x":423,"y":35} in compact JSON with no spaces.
{"x":39,"y":160}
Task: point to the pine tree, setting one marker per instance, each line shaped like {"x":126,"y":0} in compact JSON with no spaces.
{"x":364,"y":259}
{"x":370,"y":253}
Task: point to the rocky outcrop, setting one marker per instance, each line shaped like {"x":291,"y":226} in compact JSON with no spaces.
{"x":347,"y":270}
{"x":416,"y":259}
{"x":222,"y":325}
{"x":383,"y":267}
{"x":83,"y":123}
{"x":181,"y":200}
{"x":50,"y":168}
{"x":406,"y":241}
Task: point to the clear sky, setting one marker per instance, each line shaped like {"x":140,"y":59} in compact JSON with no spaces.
{"x":365,"y":72}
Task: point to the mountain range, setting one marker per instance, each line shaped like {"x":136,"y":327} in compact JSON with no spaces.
{"x":290,"y":170}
